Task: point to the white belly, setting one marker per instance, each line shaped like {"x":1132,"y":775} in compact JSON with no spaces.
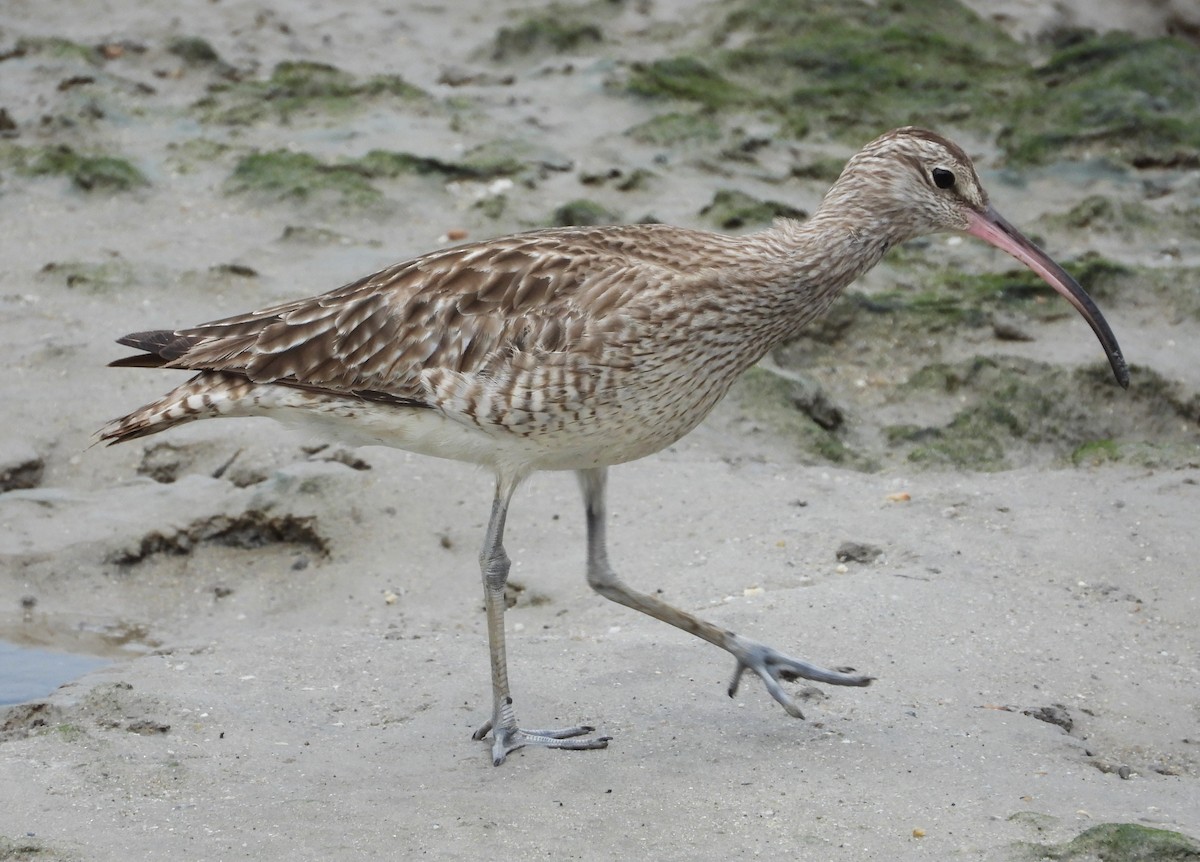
{"x":430,"y":432}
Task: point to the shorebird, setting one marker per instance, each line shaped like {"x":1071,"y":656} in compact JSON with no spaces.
{"x":576,"y":349}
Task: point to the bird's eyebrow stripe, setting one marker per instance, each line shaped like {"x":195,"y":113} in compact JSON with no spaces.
{"x":955,"y":150}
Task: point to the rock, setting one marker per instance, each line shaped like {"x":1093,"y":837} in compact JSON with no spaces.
{"x":1056,"y":714}
{"x":1007,"y":329}
{"x":857,"y":553}
{"x":809,"y":398}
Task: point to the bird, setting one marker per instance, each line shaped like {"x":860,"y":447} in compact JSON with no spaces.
{"x":577,"y":348}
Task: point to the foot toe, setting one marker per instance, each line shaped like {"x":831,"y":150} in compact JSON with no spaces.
{"x":510,"y":739}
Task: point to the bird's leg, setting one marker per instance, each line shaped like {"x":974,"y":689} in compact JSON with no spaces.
{"x":771,"y":665}
{"x":506,"y":736}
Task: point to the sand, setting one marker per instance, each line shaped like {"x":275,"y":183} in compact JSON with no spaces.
{"x":295,"y":630}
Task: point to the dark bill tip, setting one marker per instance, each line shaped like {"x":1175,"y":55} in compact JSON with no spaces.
{"x":993,"y":229}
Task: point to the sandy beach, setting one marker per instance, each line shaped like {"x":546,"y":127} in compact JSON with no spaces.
{"x":293,"y":630}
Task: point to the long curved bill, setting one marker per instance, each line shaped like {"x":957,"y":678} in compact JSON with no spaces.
{"x":992,"y":228}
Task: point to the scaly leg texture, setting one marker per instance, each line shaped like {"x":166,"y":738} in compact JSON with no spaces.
{"x":771,"y":665}
{"x":506,"y":736}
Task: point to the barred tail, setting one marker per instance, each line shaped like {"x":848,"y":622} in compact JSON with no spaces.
{"x":208,"y":394}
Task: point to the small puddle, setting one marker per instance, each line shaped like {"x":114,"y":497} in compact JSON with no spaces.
{"x":29,"y":673}
{"x":40,"y":652}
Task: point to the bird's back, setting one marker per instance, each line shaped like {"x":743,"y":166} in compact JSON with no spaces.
{"x":577,"y":344}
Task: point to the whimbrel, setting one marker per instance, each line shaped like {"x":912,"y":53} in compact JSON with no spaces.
{"x":576,"y":349}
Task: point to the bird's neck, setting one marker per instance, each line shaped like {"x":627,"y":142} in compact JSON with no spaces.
{"x":817,"y":259}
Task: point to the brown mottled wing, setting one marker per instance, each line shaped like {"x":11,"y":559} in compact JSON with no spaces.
{"x":466,"y":310}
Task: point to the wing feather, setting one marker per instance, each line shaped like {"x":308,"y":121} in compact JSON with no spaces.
{"x":467,"y":310}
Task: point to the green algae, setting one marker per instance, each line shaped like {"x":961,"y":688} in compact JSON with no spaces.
{"x":307,"y":81}
{"x":966,"y":444}
{"x":491,"y":206}
{"x":286,"y":175}
{"x":855,"y":69}
{"x":89,"y":172}
{"x":90,"y":276}
{"x":688,"y":79}
{"x":997,"y":413}
{"x":1121,"y":842}
{"x":1101,"y":213}
{"x":96,"y":173}
{"x":194,"y":51}
{"x":636,"y":180}
{"x":1095,"y":453}
{"x":1015,"y":406}
{"x":282,"y":175}
{"x":677,"y":127}
{"x":491,"y":159}
{"x":1177,"y":287}
{"x":58,"y":48}
{"x":950,"y":298}
{"x":1115,"y":95}
{"x":1107,"y":281}
{"x":300,"y":88}
{"x":826,"y":170}
{"x":389,"y":163}
{"x":185,"y":157}
{"x":732,"y":209}
{"x":786,"y":408}
{"x":859,"y":69}
{"x":495,"y":158}
{"x":1009,"y":404}
{"x":70,"y":732}
{"x":308,"y":235}
{"x":582,"y":211}
{"x":553,"y":32}
{"x":851,"y":71}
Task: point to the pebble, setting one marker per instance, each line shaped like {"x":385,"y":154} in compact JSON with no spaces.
{"x":857,"y":552}
{"x":1009,"y":330}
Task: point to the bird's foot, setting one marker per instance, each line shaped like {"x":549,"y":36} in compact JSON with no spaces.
{"x":773,"y":666}
{"x":508,"y":739}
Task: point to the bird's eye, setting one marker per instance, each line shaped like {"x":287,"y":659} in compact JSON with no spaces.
{"x":942,"y":178}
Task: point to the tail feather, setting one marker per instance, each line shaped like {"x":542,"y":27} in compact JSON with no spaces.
{"x":204,"y":395}
{"x":138,"y":360}
{"x":210,"y":393}
{"x":160,"y":345}
{"x":213,"y":393}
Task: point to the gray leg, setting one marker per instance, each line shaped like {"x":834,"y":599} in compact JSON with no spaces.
{"x":506,"y":736}
{"x":770,"y":665}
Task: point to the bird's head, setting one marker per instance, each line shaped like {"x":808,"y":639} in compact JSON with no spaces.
{"x":911,"y":182}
